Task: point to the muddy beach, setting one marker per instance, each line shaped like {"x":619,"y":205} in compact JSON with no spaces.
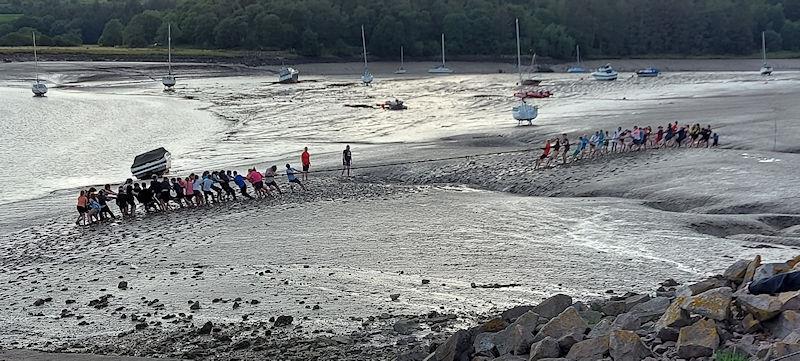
{"x":456,"y":240}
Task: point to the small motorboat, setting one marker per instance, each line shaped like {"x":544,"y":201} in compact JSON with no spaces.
{"x":288,"y":75}
{"x":605,"y":73}
{"x":531,"y":82}
{"x":155,"y":162}
{"x":396,"y":104}
{"x":525,"y":112}
{"x":538,"y":94}
{"x":648,"y":72}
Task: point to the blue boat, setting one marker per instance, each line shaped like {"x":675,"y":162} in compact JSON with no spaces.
{"x":647,"y":73}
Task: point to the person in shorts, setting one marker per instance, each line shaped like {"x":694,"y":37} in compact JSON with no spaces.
{"x":545,"y":154}
{"x":305,"y":160}
{"x":565,"y":144}
{"x":269,"y":179}
{"x":83,"y":202}
{"x":290,"y":174}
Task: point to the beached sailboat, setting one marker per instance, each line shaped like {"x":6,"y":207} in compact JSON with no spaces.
{"x":441,"y":68}
{"x":401,"y":69}
{"x":366,"y":77}
{"x":523,"y":112}
{"x":288,"y":75}
{"x":169,"y":79}
{"x":605,"y":73}
{"x":532,"y":70}
{"x":766,"y":69}
{"x":39,"y":88}
{"x":578,"y":68}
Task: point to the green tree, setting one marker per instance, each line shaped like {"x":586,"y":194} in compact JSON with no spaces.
{"x":310,"y":45}
{"x":791,"y":35}
{"x":230,"y":33}
{"x":113,"y":33}
{"x":141,"y":30}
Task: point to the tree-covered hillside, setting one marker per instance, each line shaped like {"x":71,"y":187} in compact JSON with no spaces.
{"x":473,"y":27}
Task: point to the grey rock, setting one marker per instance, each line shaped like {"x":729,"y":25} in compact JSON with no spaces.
{"x":626,"y":321}
{"x":123,"y":285}
{"x":602,"y":328}
{"x":668,"y":334}
{"x":568,"y":322}
{"x":652,"y":309}
{"x":768,"y":270}
{"x":566,"y":342}
{"x":783,"y":325}
{"x":509,"y":358}
{"x":613,"y":308}
{"x":632,"y":301}
{"x":456,"y":348}
{"x":546,"y":348}
{"x":698,"y":340}
{"x":627,"y":346}
{"x":517,"y":337}
{"x":394,"y":296}
{"x":206,"y":329}
{"x":195,"y":306}
{"x":714,"y":303}
{"x":405,"y":326}
{"x":702,"y":286}
{"x":283,"y":321}
{"x":592,"y":349}
{"x":736,"y":271}
{"x":553,"y":306}
{"x":484,"y":343}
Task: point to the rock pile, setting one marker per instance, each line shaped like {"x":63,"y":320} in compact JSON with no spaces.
{"x":691,"y":322}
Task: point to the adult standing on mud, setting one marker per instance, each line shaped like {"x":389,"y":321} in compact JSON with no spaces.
{"x":305,"y":159}
{"x":347,"y":160}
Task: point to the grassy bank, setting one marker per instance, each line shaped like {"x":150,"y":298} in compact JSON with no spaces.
{"x":119,"y":51}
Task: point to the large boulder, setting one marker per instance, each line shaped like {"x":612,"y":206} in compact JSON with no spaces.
{"x":634,"y":300}
{"x":703,"y":286}
{"x":602,"y":328}
{"x":518,"y":337}
{"x":568,"y":322}
{"x":652,"y":309}
{"x":553,"y":306}
{"x":456,"y":348}
{"x":789,"y":300}
{"x":406,"y":326}
{"x":546,"y":348}
{"x":613,"y":308}
{"x":484,"y":343}
{"x":509,"y":358}
{"x":698,"y":340}
{"x":736,"y":271}
{"x":674,"y":315}
{"x":762,"y":307}
{"x":714,"y":304}
{"x":626,"y":321}
{"x":782,"y":349}
{"x":627,"y":346}
{"x":592,"y":349}
{"x":783,"y":325}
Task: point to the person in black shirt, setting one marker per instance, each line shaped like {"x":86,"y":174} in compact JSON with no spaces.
{"x":102,"y":198}
{"x":347,"y":160}
{"x":225,"y":182}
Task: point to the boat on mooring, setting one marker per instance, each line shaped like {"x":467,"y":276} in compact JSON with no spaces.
{"x":578,"y":68}
{"x":169,"y":79}
{"x":155,"y":162}
{"x":401,"y":69}
{"x":648,"y":72}
{"x":441,"y":68}
{"x":766,"y":69}
{"x":523,"y":112}
{"x":39,"y":88}
{"x":605,"y":73}
{"x":366,"y":76}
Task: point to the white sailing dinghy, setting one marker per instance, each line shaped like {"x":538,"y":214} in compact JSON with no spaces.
{"x":169,"y":79}
{"x":401,"y":69}
{"x":366,"y":77}
{"x":766,"y":69}
{"x":39,"y":88}
{"x":523,"y":112}
{"x":441,"y":68}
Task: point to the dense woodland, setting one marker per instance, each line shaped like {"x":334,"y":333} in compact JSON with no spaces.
{"x":473,"y":27}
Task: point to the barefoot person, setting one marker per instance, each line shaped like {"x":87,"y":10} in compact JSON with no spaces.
{"x":305,"y":159}
{"x":292,"y":178}
{"x":83,"y":202}
{"x":269,"y":179}
{"x":347,"y":160}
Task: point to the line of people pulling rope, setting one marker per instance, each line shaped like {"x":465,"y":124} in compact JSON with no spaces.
{"x":557,"y":150}
{"x":192,"y":191}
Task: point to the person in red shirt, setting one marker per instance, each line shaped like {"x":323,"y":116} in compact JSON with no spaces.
{"x":305,"y":159}
{"x":545,"y":154}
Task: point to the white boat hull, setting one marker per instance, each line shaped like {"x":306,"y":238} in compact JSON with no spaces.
{"x":367,"y":78}
{"x":605,"y":76}
{"x":39,"y":89}
{"x":440,"y":70}
{"x":400,"y":71}
{"x":158,"y":166}
{"x":525,"y":112}
{"x":168,"y":81}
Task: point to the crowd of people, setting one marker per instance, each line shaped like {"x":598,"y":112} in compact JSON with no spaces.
{"x":163,"y":194}
{"x":557,"y":150}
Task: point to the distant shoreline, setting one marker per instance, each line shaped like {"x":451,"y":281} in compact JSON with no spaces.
{"x":272,"y":58}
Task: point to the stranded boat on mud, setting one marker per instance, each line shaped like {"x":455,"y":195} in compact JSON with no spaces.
{"x":766,"y":69}
{"x":441,"y":68}
{"x":288,"y":75}
{"x":39,"y":89}
{"x":523,"y":112}
{"x":154,"y":162}
{"x":605,"y":73}
{"x":396,"y":104}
